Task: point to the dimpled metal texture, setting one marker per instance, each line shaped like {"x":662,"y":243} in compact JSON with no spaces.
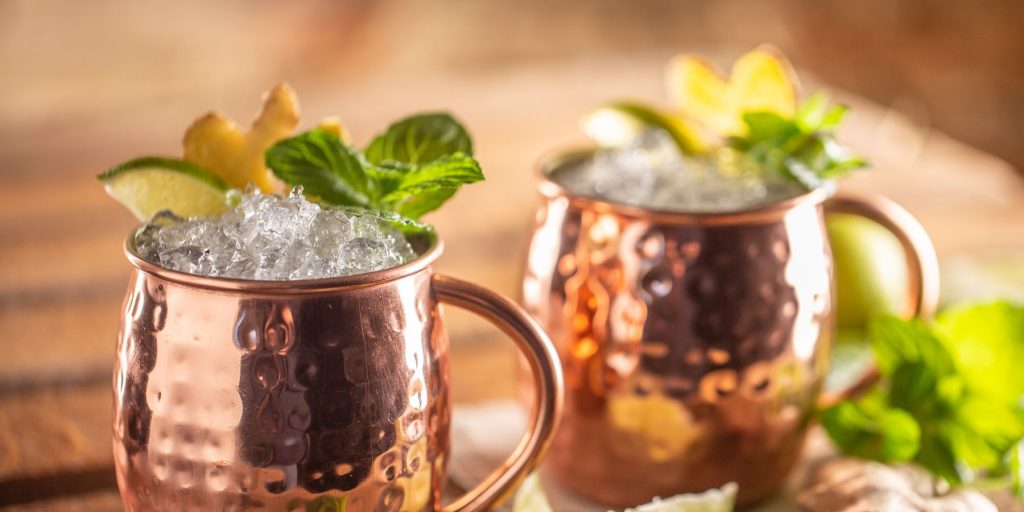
{"x":281,"y":401}
{"x":693,"y":345}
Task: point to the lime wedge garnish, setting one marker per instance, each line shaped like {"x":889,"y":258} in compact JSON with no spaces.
{"x":530,"y":497}
{"x":617,"y":124}
{"x":150,"y":184}
{"x":722,"y":499}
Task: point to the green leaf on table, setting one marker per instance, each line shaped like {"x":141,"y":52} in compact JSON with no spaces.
{"x":955,"y":380}
{"x":870,"y":428}
{"x":420,"y":139}
{"x":324,"y":167}
{"x":987,"y":340}
{"x":898,"y":342}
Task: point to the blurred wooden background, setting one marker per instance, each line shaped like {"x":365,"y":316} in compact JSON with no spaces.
{"x":87,"y":84}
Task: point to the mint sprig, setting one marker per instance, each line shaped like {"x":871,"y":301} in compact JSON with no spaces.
{"x":412,"y":168}
{"x":324,"y":167}
{"x":802,"y":148}
{"x":949,"y":398}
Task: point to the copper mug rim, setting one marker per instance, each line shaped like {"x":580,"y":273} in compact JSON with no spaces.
{"x":425,"y":259}
{"x":559,"y":159}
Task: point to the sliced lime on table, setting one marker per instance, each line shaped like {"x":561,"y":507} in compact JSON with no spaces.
{"x":531,"y":497}
{"x":617,"y":124}
{"x":151,"y":184}
{"x":722,"y":499}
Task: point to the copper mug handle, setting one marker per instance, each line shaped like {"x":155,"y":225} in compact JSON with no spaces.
{"x":922,"y":263}
{"x":548,"y":388}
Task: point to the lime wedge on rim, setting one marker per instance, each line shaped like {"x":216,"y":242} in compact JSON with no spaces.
{"x":616,"y":124}
{"x":151,"y":184}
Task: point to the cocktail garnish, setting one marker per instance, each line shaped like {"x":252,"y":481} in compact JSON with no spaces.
{"x":748,"y":122}
{"x":412,"y":168}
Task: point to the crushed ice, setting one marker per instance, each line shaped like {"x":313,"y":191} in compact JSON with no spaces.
{"x":274,"y":237}
{"x":652,"y":173}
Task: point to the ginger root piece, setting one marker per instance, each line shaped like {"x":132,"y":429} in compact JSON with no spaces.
{"x":853,"y":485}
{"x":332,"y":124}
{"x":220,"y":145}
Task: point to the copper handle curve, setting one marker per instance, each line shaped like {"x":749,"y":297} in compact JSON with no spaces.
{"x":922,"y":265}
{"x":548,"y":388}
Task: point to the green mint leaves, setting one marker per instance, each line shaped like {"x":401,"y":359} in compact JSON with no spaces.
{"x":325,"y":168}
{"x":949,"y":398}
{"x":419,"y":140}
{"x":802,"y":148}
{"x":412,"y":168}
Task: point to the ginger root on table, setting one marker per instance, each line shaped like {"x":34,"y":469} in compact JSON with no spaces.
{"x":852,"y":485}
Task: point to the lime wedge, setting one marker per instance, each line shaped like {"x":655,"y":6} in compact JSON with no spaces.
{"x":713,"y":500}
{"x":530,"y":497}
{"x":150,"y":184}
{"x":616,"y":124}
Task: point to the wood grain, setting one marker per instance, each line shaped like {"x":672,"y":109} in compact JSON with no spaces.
{"x":88,"y":85}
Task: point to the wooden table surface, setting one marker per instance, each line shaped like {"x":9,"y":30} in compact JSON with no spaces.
{"x":62,"y":274}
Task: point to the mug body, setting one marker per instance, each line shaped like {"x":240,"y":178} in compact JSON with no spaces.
{"x":315,"y":395}
{"x":693,"y":344}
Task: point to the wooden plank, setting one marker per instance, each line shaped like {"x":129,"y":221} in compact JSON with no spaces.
{"x":107,"y":500}
{"x":79,"y":337}
{"x":44,"y":268}
{"x":54,"y":441}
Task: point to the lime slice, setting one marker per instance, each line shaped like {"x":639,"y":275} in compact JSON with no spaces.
{"x":722,"y":499}
{"x":530,"y":497}
{"x":616,"y":124}
{"x":150,"y":184}
{"x":870,"y":270}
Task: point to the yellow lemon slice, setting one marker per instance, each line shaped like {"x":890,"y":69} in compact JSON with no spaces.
{"x":761,"y":80}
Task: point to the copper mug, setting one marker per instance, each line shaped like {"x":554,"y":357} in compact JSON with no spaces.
{"x":319,"y":395}
{"x":694,"y":345}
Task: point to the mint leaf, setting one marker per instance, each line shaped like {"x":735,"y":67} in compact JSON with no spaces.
{"x":830,"y":121}
{"x":870,"y":428}
{"x":323,"y":166}
{"x":987,"y":340}
{"x":768,"y":126}
{"x":425,"y":188}
{"x":411,"y":169}
{"x":423,"y":202}
{"x":802,"y":149}
{"x":899,"y":342}
{"x":445,"y":172}
{"x":411,"y":228}
{"x":420,"y":139}
{"x":955,"y":379}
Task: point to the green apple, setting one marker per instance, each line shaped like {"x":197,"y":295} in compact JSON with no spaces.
{"x":870,"y":269}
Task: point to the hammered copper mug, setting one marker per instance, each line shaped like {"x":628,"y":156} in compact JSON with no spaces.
{"x":320,"y":395}
{"x":694,"y":345}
